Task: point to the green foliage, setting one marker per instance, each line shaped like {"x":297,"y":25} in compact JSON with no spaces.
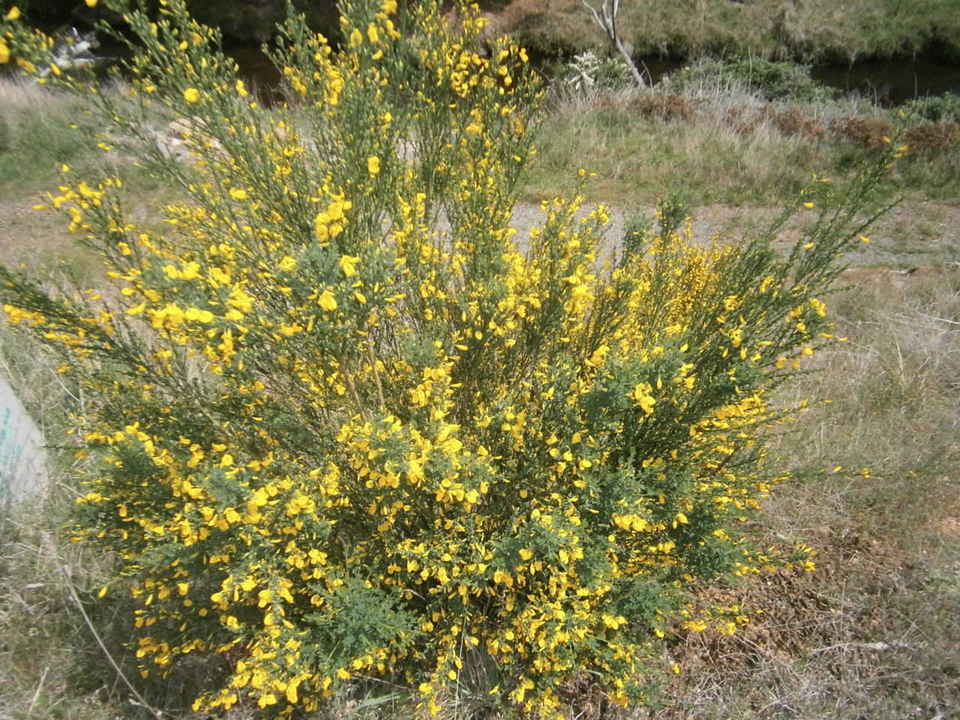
{"x":5,"y":139}
{"x":672,"y":209}
{"x":342,"y":425}
{"x":588,"y":72}
{"x":638,"y":232}
{"x":769,"y":79}
{"x":940,"y":108}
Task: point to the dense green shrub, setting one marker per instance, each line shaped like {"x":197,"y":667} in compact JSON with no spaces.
{"x":588,"y":72}
{"x":769,"y":79}
{"x":938,"y":109}
{"x":343,"y":424}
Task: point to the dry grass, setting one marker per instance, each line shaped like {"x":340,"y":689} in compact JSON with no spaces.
{"x":720,"y":142}
{"x":718,"y":147}
{"x":46,"y":650}
{"x":36,"y":135}
{"x":874,"y":632}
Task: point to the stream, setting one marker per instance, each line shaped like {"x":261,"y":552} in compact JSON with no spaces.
{"x":887,"y":82}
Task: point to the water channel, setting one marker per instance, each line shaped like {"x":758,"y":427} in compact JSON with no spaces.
{"x":888,"y":82}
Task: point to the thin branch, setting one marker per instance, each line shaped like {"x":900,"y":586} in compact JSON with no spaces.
{"x":607,"y":20}
{"x":878,"y":646}
{"x":36,"y":695}
{"x":96,"y":636}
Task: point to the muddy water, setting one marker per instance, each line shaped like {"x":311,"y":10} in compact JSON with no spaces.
{"x":892,"y":82}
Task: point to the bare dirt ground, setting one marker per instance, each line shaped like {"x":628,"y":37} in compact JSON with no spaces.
{"x":911,"y":236}
{"x":26,"y":234}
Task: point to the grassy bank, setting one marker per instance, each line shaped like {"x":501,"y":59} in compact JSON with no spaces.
{"x":871,"y":634}
{"x":812,"y":31}
{"x":740,"y":133}
{"x":874,"y":632}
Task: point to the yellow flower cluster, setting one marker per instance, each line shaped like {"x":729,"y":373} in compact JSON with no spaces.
{"x":348,"y":425}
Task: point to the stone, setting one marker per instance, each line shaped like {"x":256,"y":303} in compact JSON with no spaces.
{"x":23,"y":458}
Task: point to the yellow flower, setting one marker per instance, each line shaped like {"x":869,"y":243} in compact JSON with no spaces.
{"x":336,"y":209}
{"x":373,"y":165}
{"x":348,"y":263}
{"x":4,"y":52}
{"x":191,"y":95}
{"x":238,"y":194}
{"x":190,"y":271}
{"x":320,"y":227}
{"x":91,"y":3}
{"x":287,"y":264}
{"x":641,"y":394}
{"x":373,"y":34}
{"x":14,"y":14}
{"x":327,"y":301}
{"x":204,"y":316}
{"x":356,"y":38}
{"x":291,"y":690}
{"x":240,"y":300}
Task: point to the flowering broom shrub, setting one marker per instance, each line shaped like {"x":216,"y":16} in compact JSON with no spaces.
{"x":344,"y":423}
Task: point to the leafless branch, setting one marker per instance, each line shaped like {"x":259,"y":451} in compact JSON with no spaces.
{"x":606,"y":18}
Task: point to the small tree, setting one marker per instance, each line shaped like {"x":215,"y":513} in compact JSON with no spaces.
{"x":343,"y":425}
{"x":606,"y":18}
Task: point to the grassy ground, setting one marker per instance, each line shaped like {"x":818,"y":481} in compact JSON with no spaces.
{"x":874,"y":632}
{"x":812,"y":31}
{"x":871,"y":634}
{"x":738,"y":134}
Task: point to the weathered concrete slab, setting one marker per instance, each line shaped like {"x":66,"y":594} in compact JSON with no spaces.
{"x":23,"y":460}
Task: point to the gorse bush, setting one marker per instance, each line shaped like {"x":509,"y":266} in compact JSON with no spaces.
{"x":343,"y":424}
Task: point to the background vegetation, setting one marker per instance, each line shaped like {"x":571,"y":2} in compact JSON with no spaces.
{"x":816,"y":31}
{"x":813,"y":31}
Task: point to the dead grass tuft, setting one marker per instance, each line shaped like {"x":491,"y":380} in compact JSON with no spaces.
{"x":793,"y":121}
{"x":664,"y":107}
{"x":930,"y":138}
{"x":868,"y":132}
